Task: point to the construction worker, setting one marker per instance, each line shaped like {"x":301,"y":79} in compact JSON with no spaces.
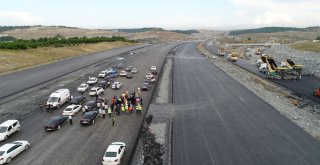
{"x":138,"y":108}
{"x":126,"y":107}
{"x":122,"y":108}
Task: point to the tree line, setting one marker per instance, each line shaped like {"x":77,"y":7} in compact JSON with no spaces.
{"x":20,"y":44}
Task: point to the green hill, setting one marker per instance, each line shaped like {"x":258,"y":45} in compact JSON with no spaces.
{"x":274,"y":30}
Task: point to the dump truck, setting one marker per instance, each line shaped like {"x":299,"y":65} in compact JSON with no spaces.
{"x":233,"y":57}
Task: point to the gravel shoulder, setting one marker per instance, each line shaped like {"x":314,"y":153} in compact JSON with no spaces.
{"x":154,"y":146}
{"x":299,"y":110}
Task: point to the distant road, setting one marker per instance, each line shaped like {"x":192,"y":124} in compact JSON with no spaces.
{"x":22,"y":80}
{"x":217,"y":121}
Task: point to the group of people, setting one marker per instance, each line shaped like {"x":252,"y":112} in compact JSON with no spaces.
{"x":126,"y":103}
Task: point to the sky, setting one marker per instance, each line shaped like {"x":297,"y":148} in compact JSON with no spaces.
{"x":167,"y":14}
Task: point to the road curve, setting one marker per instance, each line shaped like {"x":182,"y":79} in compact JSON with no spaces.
{"x":22,"y":80}
{"x":218,"y":121}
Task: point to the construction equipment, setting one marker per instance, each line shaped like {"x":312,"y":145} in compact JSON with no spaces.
{"x":293,"y":69}
{"x":221,"y":52}
{"x":317,"y":92}
{"x":233,"y":57}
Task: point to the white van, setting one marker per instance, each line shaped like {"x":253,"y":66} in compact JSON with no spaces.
{"x":58,"y":98}
{"x":8,"y":127}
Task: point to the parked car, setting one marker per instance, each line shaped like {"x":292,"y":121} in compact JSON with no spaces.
{"x":113,"y":75}
{"x":129,"y":75}
{"x":88,"y":118}
{"x":55,"y":123}
{"x":9,"y":127}
{"x":96,"y":91}
{"x":71,"y":110}
{"x":11,"y":150}
{"x":109,"y":79}
{"x":110,"y":70}
{"x":92,"y":80}
{"x":149,"y":75}
{"x":116,"y":85}
{"x":154,"y":72}
{"x":90,"y":106}
{"x":83,"y":87}
{"x":134,"y":70}
{"x":114,"y":153}
{"x":145,"y":86}
{"x":78,"y":100}
{"x":58,"y":98}
{"x":129,"y":68}
{"x":102,"y":74}
{"x":123,"y":73}
{"x":153,"y":68}
{"x":103,"y":84}
{"x":120,"y":66}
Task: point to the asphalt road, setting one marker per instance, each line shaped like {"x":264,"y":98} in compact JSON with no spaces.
{"x":305,"y":86}
{"x":218,"y":121}
{"x":75,"y":144}
{"x":22,"y":80}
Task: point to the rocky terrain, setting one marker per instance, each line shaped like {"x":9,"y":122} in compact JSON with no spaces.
{"x":310,"y":60}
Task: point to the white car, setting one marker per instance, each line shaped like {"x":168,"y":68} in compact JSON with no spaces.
{"x":83,"y":87}
{"x":9,"y":127}
{"x":96,"y":91}
{"x":92,"y":80}
{"x":71,"y":110}
{"x":109,"y":70}
{"x":11,"y":150}
{"x":153,"y":68}
{"x":114,"y":153}
{"x":134,"y":70}
{"x":123,"y":73}
{"x":149,"y":76}
{"x":103,"y":74}
{"x":116,"y":85}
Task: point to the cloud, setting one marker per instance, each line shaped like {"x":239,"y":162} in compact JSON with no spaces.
{"x":18,"y":18}
{"x":299,"y":13}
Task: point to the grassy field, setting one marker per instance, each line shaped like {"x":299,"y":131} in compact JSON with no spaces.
{"x":308,"y":46}
{"x":15,"y":60}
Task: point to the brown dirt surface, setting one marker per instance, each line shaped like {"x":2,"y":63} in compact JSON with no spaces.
{"x":52,"y":31}
{"x":161,"y":35}
{"x":16,"y":60}
{"x":308,"y":46}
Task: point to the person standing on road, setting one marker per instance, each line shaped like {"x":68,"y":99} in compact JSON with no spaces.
{"x":70,"y":119}
{"x":40,"y":106}
{"x":81,"y":92}
{"x":113,"y":120}
{"x":103,"y":113}
{"x":109,"y":112}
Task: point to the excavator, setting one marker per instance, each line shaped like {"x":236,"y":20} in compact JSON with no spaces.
{"x":317,"y":92}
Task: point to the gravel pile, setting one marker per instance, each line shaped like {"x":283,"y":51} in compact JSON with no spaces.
{"x":302,"y":111}
{"x":310,"y":60}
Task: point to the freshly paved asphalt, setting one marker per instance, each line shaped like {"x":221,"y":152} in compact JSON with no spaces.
{"x":79,"y":145}
{"x":305,"y":86}
{"x":218,"y":121}
{"x":22,"y":80}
